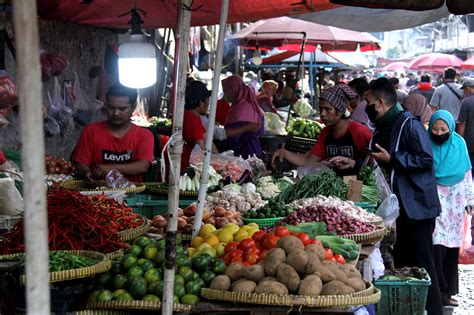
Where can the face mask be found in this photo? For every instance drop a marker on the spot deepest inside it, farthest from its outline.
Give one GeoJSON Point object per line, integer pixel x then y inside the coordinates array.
{"type": "Point", "coordinates": [440, 139]}
{"type": "Point", "coordinates": [371, 112]}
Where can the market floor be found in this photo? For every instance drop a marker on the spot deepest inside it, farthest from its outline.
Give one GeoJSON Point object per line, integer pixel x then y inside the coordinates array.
{"type": "Point", "coordinates": [466, 292]}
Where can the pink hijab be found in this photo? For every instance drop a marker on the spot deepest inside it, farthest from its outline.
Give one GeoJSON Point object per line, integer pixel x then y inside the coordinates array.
{"type": "Point", "coordinates": [418, 106]}
{"type": "Point", "coordinates": [244, 107]}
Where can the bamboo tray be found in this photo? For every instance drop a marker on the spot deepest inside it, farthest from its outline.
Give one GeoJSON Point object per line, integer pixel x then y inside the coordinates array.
{"type": "Point", "coordinates": [135, 305]}
{"type": "Point", "coordinates": [131, 234]}
{"type": "Point", "coordinates": [162, 189]}
{"type": "Point", "coordinates": [367, 238]}
{"type": "Point", "coordinates": [71, 274]}
{"type": "Point", "coordinates": [371, 295]}
{"type": "Point", "coordinates": [80, 185]}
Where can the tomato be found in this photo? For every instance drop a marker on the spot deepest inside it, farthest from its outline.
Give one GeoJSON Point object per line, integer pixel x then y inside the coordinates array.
{"type": "Point", "coordinates": [270, 241]}
{"type": "Point", "coordinates": [230, 247]}
{"type": "Point", "coordinates": [304, 238]}
{"type": "Point", "coordinates": [340, 259]}
{"type": "Point", "coordinates": [329, 254]}
{"type": "Point", "coordinates": [227, 259]}
{"type": "Point", "coordinates": [252, 249]}
{"type": "Point", "coordinates": [263, 255]}
{"type": "Point", "coordinates": [252, 258]}
{"type": "Point", "coordinates": [246, 243]}
{"type": "Point", "coordinates": [317, 242]}
{"type": "Point", "coordinates": [258, 236]}
{"type": "Point", "coordinates": [236, 259]}
{"type": "Point", "coordinates": [294, 234]}
{"type": "Point", "coordinates": [282, 231]}
{"type": "Point", "coordinates": [236, 253]}
{"type": "Point", "coordinates": [246, 264]}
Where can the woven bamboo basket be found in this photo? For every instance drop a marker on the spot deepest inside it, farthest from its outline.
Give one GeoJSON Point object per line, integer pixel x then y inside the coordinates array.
{"type": "Point", "coordinates": [102, 266]}
{"type": "Point", "coordinates": [367, 238]}
{"type": "Point", "coordinates": [368, 296]}
{"type": "Point", "coordinates": [112, 255]}
{"type": "Point", "coordinates": [80, 185]}
{"type": "Point", "coordinates": [131, 234]}
{"type": "Point", "coordinates": [162, 189]}
{"type": "Point", "coordinates": [99, 312]}
{"type": "Point", "coordinates": [135, 305]}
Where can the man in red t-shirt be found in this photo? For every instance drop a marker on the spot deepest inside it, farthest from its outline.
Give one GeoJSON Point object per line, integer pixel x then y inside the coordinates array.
{"type": "Point", "coordinates": [115, 143]}
{"type": "Point", "coordinates": [342, 143]}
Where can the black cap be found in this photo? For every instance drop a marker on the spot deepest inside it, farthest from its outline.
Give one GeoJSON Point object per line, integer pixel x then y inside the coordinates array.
{"type": "Point", "coordinates": [196, 91]}
{"type": "Point", "coordinates": [393, 80]}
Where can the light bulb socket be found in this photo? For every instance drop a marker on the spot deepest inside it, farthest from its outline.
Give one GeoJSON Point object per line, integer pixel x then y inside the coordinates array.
{"type": "Point", "coordinates": [136, 22]}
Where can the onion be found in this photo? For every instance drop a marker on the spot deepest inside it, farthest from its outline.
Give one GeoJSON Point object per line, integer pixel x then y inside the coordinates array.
{"type": "Point", "coordinates": [210, 221]}
{"type": "Point", "coordinates": [206, 214]}
{"type": "Point", "coordinates": [240, 222]}
{"type": "Point", "coordinates": [190, 210]}
{"type": "Point", "coordinates": [158, 221]}
{"type": "Point", "coordinates": [180, 212]}
{"type": "Point", "coordinates": [188, 229]}
{"type": "Point", "coordinates": [219, 211]}
{"type": "Point", "coordinates": [181, 223]}
{"type": "Point", "coordinates": [191, 220]}
{"type": "Point", "coordinates": [220, 222]}
{"type": "Point", "coordinates": [229, 215]}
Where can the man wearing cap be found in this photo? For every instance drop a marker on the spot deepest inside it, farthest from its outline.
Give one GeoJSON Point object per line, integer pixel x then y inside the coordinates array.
{"type": "Point", "coordinates": [115, 144]}
{"type": "Point", "coordinates": [342, 143]}
{"type": "Point", "coordinates": [466, 117]}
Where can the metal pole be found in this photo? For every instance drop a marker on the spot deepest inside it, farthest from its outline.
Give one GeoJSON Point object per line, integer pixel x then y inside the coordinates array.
{"type": "Point", "coordinates": [31, 120]}
{"type": "Point", "coordinates": [212, 118]}
{"type": "Point", "coordinates": [176, 148]}
{"type": "Point", "coordinates": [238, 53]}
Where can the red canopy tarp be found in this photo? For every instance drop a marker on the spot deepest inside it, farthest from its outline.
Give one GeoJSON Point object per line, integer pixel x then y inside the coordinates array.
{"type": "Point", "coordinates": [434, 61]}
{"type": "Point", "coordinates": [329, 38]}
{"type": "Point", "coordinates": [468, 64]}
{"type": "Point", "coordinates": [163, 13]}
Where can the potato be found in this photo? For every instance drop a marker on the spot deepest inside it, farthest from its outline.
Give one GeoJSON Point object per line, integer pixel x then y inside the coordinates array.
{"type": "Point", "coordinates": [255, 273]}
{"type": "Point", "coordinates": [311, 285]}
{"type": "Point", "coordinates": [356, 283]}
{"type": "Point", "coordinates": [298, 259]}
{"type": "Point", "coordinates": [336, 287]}
{"type": "Point", "coordinates": [290, 243]}
{"type": "Point", "coordinates": [288, 276]}
{"type": "Point", "coordinates": [351, 271]}
{"type": "Point", "coordinates": [245, 286]}
{"type": "Point", "coordinates": [267, 279]}
{"type": "Point", "coordinates": [326, 274]}
{"type": "Point", "coordinates": [317, 249]}
{"type": "Point", "coordinates": [235, 271]}
{"type": "Point", "coordinates": [274, 259]}
{"type": "Point", "coordinates": [221, 283]}
{"type": "Point", "coordinates": [313, 263]}
{"type": "Point", "coordinates": [271, 287]}
{"type": "Point", "coordinates": [333, 266]}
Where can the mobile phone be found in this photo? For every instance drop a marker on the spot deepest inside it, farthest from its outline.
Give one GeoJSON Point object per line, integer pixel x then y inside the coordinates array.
{"type": "Point", "coordinates": [370, 150]}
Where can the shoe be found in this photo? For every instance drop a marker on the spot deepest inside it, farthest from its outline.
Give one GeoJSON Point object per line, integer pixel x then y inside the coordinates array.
{"type": "Point", "coordinates": [449, 301]}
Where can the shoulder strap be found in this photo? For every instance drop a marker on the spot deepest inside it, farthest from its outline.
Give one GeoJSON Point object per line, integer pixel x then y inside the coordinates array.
{"type": "Point", "coordinates": [452, 90]}
{"type": "Point", "coordinates": [397, 145]}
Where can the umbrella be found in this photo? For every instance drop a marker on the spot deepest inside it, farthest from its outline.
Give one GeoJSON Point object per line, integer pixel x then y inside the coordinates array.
{"type": "Point", "coordinates": [468, 64]}
{"type": "Point", "coordinates": [293, 57]}
{"type": "Point", "coordinates": [395, 66]}
{"type": "Point", "coordinates": [287, 33]}
{"type": "Point", "coordinates": [434, 62]}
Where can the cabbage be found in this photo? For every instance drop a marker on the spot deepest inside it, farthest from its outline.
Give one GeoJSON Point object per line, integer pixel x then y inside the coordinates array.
{"type": "Point", "coordinates": [303, 108]}
{"type": "Point", "coordinates": [274, 124]}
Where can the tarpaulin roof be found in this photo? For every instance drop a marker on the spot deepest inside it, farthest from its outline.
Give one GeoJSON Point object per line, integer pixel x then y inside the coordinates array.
{"type": "Point", "coordinates": [163, 13]}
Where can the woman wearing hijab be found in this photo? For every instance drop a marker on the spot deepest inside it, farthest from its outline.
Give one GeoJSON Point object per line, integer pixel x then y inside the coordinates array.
{"type": "Point", "coordinates": [265, 97]}
{"type": "Point", "coordinates": [453, 175]}
{"type": "Point", "coordinates": [342, 143]}
{"type": "Point", "coordinates": [418, 106]}
{"type": "Point", "coordinates": [244, 111]}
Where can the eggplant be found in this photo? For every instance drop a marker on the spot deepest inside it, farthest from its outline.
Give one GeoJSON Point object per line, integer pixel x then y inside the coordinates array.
{"type": "Point", "coordinates": [246, 177]}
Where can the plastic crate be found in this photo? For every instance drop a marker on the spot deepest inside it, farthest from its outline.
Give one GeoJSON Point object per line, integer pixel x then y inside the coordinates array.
{"type": "Point", "coordinates": [151, 205]}
{"type": "Point", "coordinates": [403, 297]}
{"type": "Point", "coordinates": [370, 207]}
{"type": "Point", "coordinates": [300, 145]}
{"type": "Point", "coordinates": [263, 222]}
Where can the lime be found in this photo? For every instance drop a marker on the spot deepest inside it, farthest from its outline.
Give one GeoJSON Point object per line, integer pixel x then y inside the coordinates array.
{"type": "Point", "coordinates": [137, 287]}
{"type": "Point", "coordinates": [179, 280]}
{"type": "Point", "coordinates": [104, 295]}
{"type": "Point", "coordinates": [157, 288]}
{"type": "Point", "coordinates": [124, 297]}
{"type": "Point", "coordinates": [151, 297]}
{"type": "Point", "coordinates": [208, 276]}
{"type": "Point", "coordinates": [190, 299]}
{"type": "Point", "coordinates": [152, 275]}
{"type": "Point", "coordinates": [200, 263]}
{"type": "Point", "coordinates": [150, 252]}
{"type": "Point", "coordinates": [145, 264]}
{"type": "Point", "coordinates": [161, 245]}
{"type": "Point", "coordinates": [175, 299]}
{"type": "Point", "coordinates": [195, 276]}
{"type": "Point", "coordinates": [183, 261]}
{"type": "Point", "coordinates": [160, 258]}
{"type": "Point", "coordinates": [186, 273]}
{"type": "Point", "coordinates": [142, 241]}
{"type": "Point", "coordinates": [119, 281]}
{"type": "Point", "coordinates": [180, 250]}
{"type": "Point", "coordinates": [134, 250]}
{"type": "Point", "coordinates": [116, 267]}
{"type": "Point", "coordinates": [201, 282]}
{"type": "Point", "coordinates": [135, 271]}
{"type": "Point", "coordinates": [179, 290]}
{"type": "Point", "coordinates": [193, 287]}
{"type": "Point", "coordinates": [93, 296]}
{"type": "Point", "coordinates": [104, 278]}
{"type": "Point", "coordinates": [218, 266]}
{"type": "Point", "coordinates": [118, 258]}
{"type": "Point", "coordinates": [118, 292]}
{"type": "Point", "coordinates": [128, 261]}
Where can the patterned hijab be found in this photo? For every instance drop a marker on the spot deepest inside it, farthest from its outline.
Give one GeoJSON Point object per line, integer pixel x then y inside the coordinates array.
{"type": "Point", "coordinates": [339, 96]}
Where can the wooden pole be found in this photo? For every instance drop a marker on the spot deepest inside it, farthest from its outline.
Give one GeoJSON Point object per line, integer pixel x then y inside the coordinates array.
{"type": "Point", "coordinates": [176, 148]}
{"type": "Point", "coordinates": [212, 117]}
{"type": "Point", "coordinates": [31, 120]}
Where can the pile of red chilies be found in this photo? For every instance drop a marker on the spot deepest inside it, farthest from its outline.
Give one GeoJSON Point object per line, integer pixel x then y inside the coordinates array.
{"type": "Point", "coordinates": [78, 222]}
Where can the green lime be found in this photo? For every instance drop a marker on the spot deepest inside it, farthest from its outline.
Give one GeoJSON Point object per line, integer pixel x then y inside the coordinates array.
{"type": "Point", "coordinates": [158, 288]}
{"type": "Point", "coordinates": [218, 267]}
{"type": "Point", "coordinates": [201, 282]}
{"type": "Point", "coordinates": [116, 267]}
{"type": "Point", "coordinates": [118, 258]}
{"type": "Point", "coordinates": [133, 250]}
{"type": "Point", "coordinates": [151, 297]}
{"type": "Point", "coordinates": [137, 287]}
{"type": "Point", "coordinates": [128, 261]}
{"type": "Point", "coordinates": [154, 287]}
{"type": "Point", "coordinates": [142, 241]}
{"type": "Point", "coordinates": [104, 295]}
{"type": "Point", "coordinates": [161, 245]}
{"type": "Point", "coordinates": [150, 252]}
{"type": "Point", "coordinates": [152, 275]}
{"type": "Point", "coordinates": [180, 251]}
{"type": "Point", "coordinates": [118, 292]}
{"type": "Point", "coordinates": [179, 290]}
{"type": "Point", "coordinates": [200, 263]}
{"type": "Point", "coordinates": [119, 281]}
{"type": "Point", "coordinates": [175, 299]}
{"type": "Point", "coordinates": [179, 280]}
{"type": "Point", "coordinates": [104, 278]}
{"type": "Point", "coordinates": [190, 299]}
{"type": "Point", "coordinates": [135, 271]}
{"type": "Point", "coordinates": [93, 296]}
{"type": "Point", "coordinates": [124, 297]}
{"type": "Point", "coordinates": [186, 273]}
{"type": "Point", "coordinates": [145, 264]}
{"type": "Point", "coordinates": [195, 276]}
{"type": "Point", "coordinates": [193, 287]}
{"type": "Point", "coordinates": [183, 261]}
{"type": "Point", "coordinates": [160, 258]}
{"type": "Point", "coordinates": [208, 276]}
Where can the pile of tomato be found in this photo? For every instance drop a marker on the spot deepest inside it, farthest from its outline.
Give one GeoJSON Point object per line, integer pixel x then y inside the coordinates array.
{"type": "Point", "coordinates": [253, 250]}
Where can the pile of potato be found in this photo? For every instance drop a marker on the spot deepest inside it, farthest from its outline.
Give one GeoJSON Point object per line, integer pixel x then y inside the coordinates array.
{"type": "Point", "coordinates": [292, 268]}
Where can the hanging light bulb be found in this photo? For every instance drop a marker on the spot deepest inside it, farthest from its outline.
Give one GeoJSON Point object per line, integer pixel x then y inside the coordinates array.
{"type": "Point", "coordinates": [137, 57]}
{"type": "Point", "coordinates": [257, 56]}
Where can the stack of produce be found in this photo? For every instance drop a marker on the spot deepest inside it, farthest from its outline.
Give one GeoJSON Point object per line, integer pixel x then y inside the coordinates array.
{"type": "Point", "coordinates": [273, 209]}
{"type": "Point", "coordinates": [347, 207]}
{"type": "Point", "coordinates": [305, 128]}
{"type": "Point", "coordinates": [58, 165]}
{"type": "Point", "coordinates": [405, 274]}
{"type": "Point", "coordinates": [191, 180]}
{"type": "Point", "coordinates": [325, 183]}
{"type": "Point", "coordinates": [138, 275]}
{"type": "Point", "coordinates": [235, 197]}
{"type": "Point", "coordinates": [292, 268]}
{"type": "Point", "coordinates": [78, 222]}
{"type": "Point", "coordinates": [161, 124]}
{"type": "Point", "coordinates": [269, 187]}
{"type": "Point", "coordinates": [234, 168]}
{"type": "Point", "coordinates": [216, 216]}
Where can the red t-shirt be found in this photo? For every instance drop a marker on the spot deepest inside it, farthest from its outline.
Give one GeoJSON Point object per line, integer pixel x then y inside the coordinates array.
{"type": "Point", "coordinates": [98, 146]}
{"type": "Point", "coordinates": [222, 111]}
{"type": "Point", "coordinates": [193, 130]}
{"type": "Point", "coordinates": [3, 159]}
{"type": "Point", "coordinates": [352, 144]}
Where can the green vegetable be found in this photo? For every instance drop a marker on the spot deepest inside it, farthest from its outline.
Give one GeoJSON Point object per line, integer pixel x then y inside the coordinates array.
{"type": "Point", "coordinates": [313, 229]}
{"type": "Point", "coordinates": [342, 246]}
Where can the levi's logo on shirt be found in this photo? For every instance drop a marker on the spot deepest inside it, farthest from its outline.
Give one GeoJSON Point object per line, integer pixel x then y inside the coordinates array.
{"type": "Point", "coordinates": [116, 157]}
{"type": "Point", "coordinates": [333, 150]}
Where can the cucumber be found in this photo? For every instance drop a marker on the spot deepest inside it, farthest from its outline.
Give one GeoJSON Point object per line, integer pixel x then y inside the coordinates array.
{"type": "Point", "coordinates": [340, 251]}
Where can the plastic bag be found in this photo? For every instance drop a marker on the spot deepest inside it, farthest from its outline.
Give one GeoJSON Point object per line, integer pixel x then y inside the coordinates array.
{"type": "Point", "coordinates": [51, 127]}
{"type": "Point", "coordinates": [8, 94]}
{"type": "Point", "coordinates": [256, 164]}
{"type": "Point", "coordinates": [389, 209]}
{"type": "Point", "coordinates": [466, 252]}
{"type": "Point", "coordinates": [83, 105]}
{"type": "Point", "coordinates": [52, 65]}
{"type": "Point", "coordinates": [11, 201]}
{"type": "Point", "coordinates": [115, 179]}
{"type": "Point", "coordinates": [274, 124]}
{"type": "Point", "coordinates": [58, 109]}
